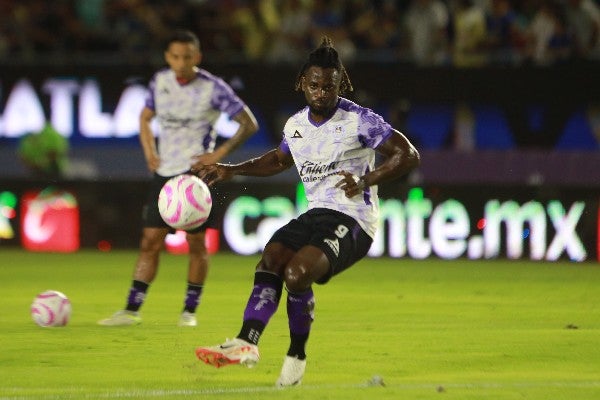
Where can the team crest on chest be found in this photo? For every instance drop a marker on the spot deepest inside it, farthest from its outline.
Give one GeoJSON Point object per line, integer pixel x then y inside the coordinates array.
{"type": "Point", "coordinates": [337, 130]}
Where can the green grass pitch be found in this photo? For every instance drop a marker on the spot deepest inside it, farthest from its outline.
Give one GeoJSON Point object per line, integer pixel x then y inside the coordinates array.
{"type": "Point", "coordinates": [431, 329]}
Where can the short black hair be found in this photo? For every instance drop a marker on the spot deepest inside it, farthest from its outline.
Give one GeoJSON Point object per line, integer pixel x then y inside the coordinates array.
{"type": "Point", "coordinates": [326, 56]}
{"type": "Point", "coordinates": [183, 36]}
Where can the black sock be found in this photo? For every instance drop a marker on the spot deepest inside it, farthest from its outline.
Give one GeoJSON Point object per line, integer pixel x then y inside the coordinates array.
{"type": "Point", "coordinates": [251, 331]}
{"type": "Point", "coordinates": [298, 346]}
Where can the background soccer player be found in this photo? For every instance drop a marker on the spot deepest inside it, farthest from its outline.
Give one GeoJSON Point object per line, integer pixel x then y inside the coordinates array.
{"type": "Point", "coordinates": [333, 143]}
{"type": "Point", "coordinates": [187, 101]}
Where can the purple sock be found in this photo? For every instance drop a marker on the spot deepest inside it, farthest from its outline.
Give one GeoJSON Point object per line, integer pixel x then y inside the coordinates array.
{"type": "Point", "coordinates": [261, 306]}
{"type": "Point", "coordinates": [301, 312]}
{"type": "Point", "coordinates": [192, 297]}
{"type": "Point", "coordinates": [263, 302]}
{"type": "Point", "coordinates": [137, 295]}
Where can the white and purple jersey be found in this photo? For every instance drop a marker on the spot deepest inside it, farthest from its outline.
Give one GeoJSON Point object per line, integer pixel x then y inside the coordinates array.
{"type": "Point", "coordinates": [344, 142]}
{"type": "Point", "coordinates": [186, 114]}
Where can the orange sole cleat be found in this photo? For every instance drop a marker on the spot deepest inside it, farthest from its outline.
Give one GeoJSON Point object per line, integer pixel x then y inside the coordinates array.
{"type": "Point", "coordinates": [236, 351]}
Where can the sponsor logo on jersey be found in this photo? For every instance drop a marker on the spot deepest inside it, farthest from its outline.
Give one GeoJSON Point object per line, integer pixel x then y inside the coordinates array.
{"type": "Point", "coordinates": [172, 122]}
{"type": "Point", "coordinates": [309, 168]}
{"type": "Point", "coordinates": [313, 172]}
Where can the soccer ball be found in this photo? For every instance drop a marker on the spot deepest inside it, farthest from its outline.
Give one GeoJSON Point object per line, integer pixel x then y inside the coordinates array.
{"type": "Point", "coordinates": [184, 202]}
{"type": "Point", "coordinates": [51, 308]}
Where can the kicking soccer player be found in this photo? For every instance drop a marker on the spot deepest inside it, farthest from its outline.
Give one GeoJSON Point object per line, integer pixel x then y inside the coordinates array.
{"type": "Point", "coordinates": [333, 143]}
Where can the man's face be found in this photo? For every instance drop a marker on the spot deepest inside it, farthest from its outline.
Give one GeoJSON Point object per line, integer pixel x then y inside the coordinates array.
{"type": "Point", "coordinates": [182, 58]}
{"type": "Point", "coordinates": [321, 87]}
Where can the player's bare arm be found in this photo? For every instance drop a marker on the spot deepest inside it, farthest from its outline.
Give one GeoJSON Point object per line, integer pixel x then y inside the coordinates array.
{"type": "Point", "coordinates": [268, 164]}
{"type": "Point", "coordinates": [248, 126]}
{"type": "Point", "coordinates": [400, 158]}
{"type": "Point", "coordinates": [147, 139]}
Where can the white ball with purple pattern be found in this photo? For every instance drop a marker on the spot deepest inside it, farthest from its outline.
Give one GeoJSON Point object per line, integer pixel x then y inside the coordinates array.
{"type": "Point", "coordinates": [184, 202]}
{"type": "Point", "coordinates": [51, 308]}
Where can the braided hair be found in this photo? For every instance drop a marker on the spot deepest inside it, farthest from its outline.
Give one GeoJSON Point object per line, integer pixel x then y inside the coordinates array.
{"type": "Point", "coordinates": [325, 56]}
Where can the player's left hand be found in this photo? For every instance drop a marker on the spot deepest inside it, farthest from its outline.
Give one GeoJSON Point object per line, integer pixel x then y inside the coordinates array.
{"type": "Point", "coordinates": [350, 184]}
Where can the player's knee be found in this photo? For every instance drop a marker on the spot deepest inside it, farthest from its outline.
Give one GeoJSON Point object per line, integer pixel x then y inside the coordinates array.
{"type": "Point", "coordinates": [297, 278]}
{"type": "Point", "coordinates": [274, 259]}
{"type": "Point", "coordinates": [270, 265]}
{"type": "Point", "coordinates": [150, 244]}
{"type": "Point", "coordinates": [196, 242]}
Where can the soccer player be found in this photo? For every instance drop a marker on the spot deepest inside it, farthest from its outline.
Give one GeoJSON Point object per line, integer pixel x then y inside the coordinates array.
{"type": "Point", "coordinates": [333, 143]}
{"type": "Point", "coordinates": [187, 101]}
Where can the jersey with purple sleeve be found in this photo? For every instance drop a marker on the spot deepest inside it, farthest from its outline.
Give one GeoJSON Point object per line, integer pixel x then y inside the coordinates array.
{"type": "Point", "coordinates": [186, 114]}
{"type": "Point", "coordinates": [344, 142]}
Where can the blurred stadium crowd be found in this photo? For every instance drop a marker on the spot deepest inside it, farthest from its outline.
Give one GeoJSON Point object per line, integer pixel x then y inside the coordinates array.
{"type": "Point", "coordinates": [462, 33]}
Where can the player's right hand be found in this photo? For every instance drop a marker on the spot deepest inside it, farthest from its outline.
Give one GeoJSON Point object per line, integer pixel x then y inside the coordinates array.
{"type": "Point", "coordinates": [212, 173]}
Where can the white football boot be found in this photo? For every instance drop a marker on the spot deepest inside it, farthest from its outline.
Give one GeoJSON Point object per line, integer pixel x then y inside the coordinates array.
{"type": "Point", "coordinates": [187, 319]}
{"type": "Point", "coordinates": [234, 351]}
{"type": "Point", "coordinates": [291, 372]}
{"type": "Point", "coordinates": [122, 318]}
